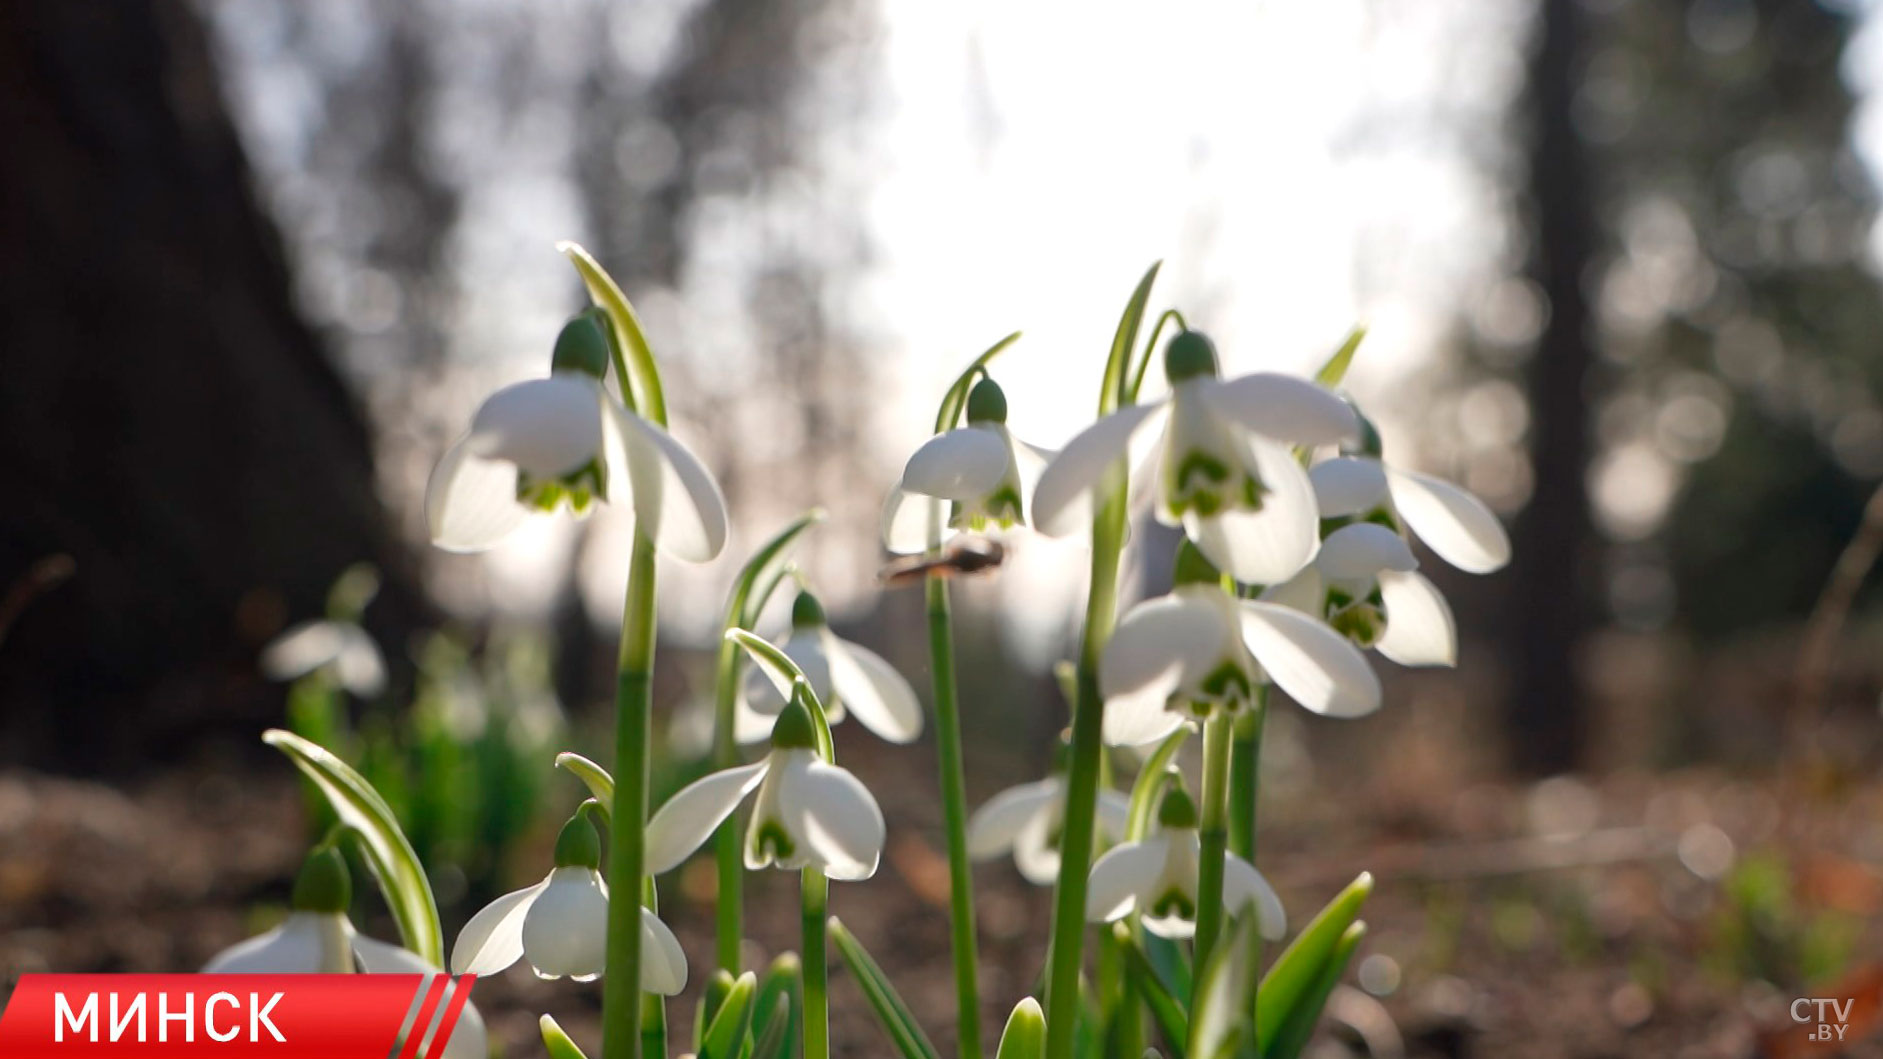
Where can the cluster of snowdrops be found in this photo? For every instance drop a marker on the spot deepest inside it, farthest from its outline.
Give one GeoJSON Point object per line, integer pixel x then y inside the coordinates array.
{"type": "Point", "coordinates": [1296, 558]}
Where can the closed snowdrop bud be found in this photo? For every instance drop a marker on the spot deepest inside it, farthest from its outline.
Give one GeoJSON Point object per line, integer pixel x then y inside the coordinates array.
{"type": "Point", "coordinates": [1157, 877]}
{"type": "Point", "coordinates": [564, 442]}
{"type": "Point", "coordinates": [560, 925]}
{"type": "Point", "coordinates": [807, 812]}
{"type": "Point", "coordinates": [850, 679]}
{"type": "Point", "coordinates": [318, 938]}
{"type": "Point", "coordinates": [978, 478]}
{"type": "Point", "coordinates": [1224, 466]}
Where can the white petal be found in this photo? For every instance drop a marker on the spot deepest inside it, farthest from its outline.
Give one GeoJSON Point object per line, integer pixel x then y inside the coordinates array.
{"type": "Point", "coordinates": [836, 816]}
{"type": "Point", "coordinates": [961, 465]}
{"type": "Point", "coordinates": [565, 931]}
{"type": "Point", "coordinates": [1114, 814]}
{"type": "Point", "coordinates": [1348, 485]}
{"type": "Point", "coordinates": [1452, 522]}
{"type": "Point", "coordinates": [379, 957]}
{"type": "Point", "coordinates": [1159, 640]}
{"type": "Point", "coordinates": [1284, 408]}
{"type": "Point", "coordinates": [676, 501]}
{"type": "Point", "coordinates": [691, 816]}
{"type": "Point", "coordinates": [1419, 626]}
{"type": "Point", "coordinates": [872, 691]}
{"type": "Point", "coordinates": [1036, 850]}
{"type": "Point", "coordinates": [1242, 885]}
{"type": "Point", "coordinates": [663, 962]}
{"type": "Point", "coordinates": [1271, 545]}
{"type": "Point", "coordinates": [302, 649]}
{"type": "Point", "coordinates": [1140, 717]}
{"type": "Point", "coordinates": [547, 427]}
{"type": "Point", "coordinates": [1360, 550]}
{"type": "Point", "coordinates": [493, 938]}
{"type": "Point", "coordinates": [808, 647]}
{"type": "Point", "coordinates": [913, 523]}
{"type": "Point", "coordinates": [360, 667]}
{"type": "Point", "coordinates": [1122, 875]}
{"type": "Point", "coordinates": [1082, 464]}
{"type": "Point", "coordinates": [1179, 874]}
{"type": "Point", "coordinates": [994, 826]}
{"type": "Point", "coordinates": [1305, 592]}
{"type": "Point", "coordinates": [305, 943]}
{"type": "Point", "coordinates": [1315, 665]}
{"type": "Point", "coordinates": [750, 724]}
{"type": "Point", "coordinates": [1029, 462]}
{"type": "Point", "coordinates": [469, 1039]}
{"type": "Point", "coordinates": [471, 502]}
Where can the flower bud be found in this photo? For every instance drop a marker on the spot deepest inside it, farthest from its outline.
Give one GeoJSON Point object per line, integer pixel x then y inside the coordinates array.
{"type": "Point", "coordinates": [987, 403]}
{"type": "Point", "coordinates": [324, 884]}
{"type": "Point", "coordinates": [807, 612]}
{"type": "Point", "coordinates": [795, 728]}
{"type": "Point", "coordinates": [1176, 810]}
{"type": "Point", "coordinates": [1190, 355]}
{"type": "Point", "coordinates": [582, 346]}
{"type": "Point", "coordinates": [1369, 443]}
{"type": "Point", "coordinates": [578, 846]}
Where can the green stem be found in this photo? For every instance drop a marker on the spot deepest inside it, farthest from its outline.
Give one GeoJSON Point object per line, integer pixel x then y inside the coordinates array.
{"type": "Point", "coordinates": [816, 893]}
{"type": "Point", "coordinates": [1065, 955]}
{"type": "Point", "coordinates": [1213, 832]}
{"type": "Point", "coordinates": [941, 648]}
{"type": "Point", "coordinates": [621, 992]}
{"type": "Point", "coordinates": [729, 915]}
{"type": "Point", "coordinates": [1245, 763]}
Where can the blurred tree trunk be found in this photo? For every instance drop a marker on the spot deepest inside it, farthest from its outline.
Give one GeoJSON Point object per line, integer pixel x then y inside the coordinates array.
{"type": "Point", "coordinates": [167, 420]}
{"type": "Point", "coordinates": [1552, 570]}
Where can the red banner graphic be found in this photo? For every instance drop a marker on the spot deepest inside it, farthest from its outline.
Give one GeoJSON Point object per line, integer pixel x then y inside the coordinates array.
{"type": "Point", "coordinates": [282, 1016]}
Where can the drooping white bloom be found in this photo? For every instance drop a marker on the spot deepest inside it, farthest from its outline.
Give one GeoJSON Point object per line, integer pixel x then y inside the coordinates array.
{"type": "Point", "coordinates": [1223, 466]}
{"type": "Point", "coordinates": [1157, 877]}
{"type": "Point", "coordinates": [318, 938]}
{"type": "Point", "coordinates": [808, 813]}
{"type": "Point", "coordinates": [1026, 821]}
{"type": "Point", "coordinates": [342, 648]}
{"type": "Point", "coordinates": [544, 444]}
{"type": "Point", "coordinates": [973, 478]}
{"type": "Point", "coordinates": [850, 679]}
{"type": "Point", "coordinates": [1365, 583]}
{"type": "Point", "coordinates": [1199, 650]}
{"type": "Point", "coordinates": [1456, 525]}
{"type": "Point", "coordinates": [560, 925]}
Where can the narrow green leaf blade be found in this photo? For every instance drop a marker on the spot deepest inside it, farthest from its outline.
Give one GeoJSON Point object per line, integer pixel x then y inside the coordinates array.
{"type": "Point", "coordinates": [742, 608]}
{"type": "Point", "coordinates": [1298, 1028]}
{"type": "Point", "coordinates": [394, 863]}
{"type": "Point", "coordinates": [1124, 340]}
{"type": "Point", "coordinates": [593, 776]}
{"type": "Point", "coordinates": [1149, 985]}
{"type": "Point", "coordinates": [1025, 1035]}
{"type": "Point", "coordinates": [1335, 369]}
{"type": "Point", "coordinates": [726, 1035]}
{"type": "Point", "coordinates": [894, 1015]}
{"type": "Point", "coordinates": [1222, 1016]}
{"type": "Point", "coordinates": [1295, 971]}
{"type": "Point", "coordinates": [781, 994]}
{"type": "Point", "coordinates": [556, 1042]}
{"type": "Point", "coordinates": [956, 396]}
{"type": "Point", "coordinates": [650, 400]}
{"type": "Point", "coordinates": [770, 1041]}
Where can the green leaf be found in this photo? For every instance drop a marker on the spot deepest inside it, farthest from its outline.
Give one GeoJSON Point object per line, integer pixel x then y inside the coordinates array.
{"type": "Point", "coordinates": [644, 391]}
{"type": "Point", "coordinates": [1025, 1035]}
{"type": "Point", "coordinates": [1151, 780]}
{"type": "Point", "coordinates": [743, 607]}
{"type": "Point", "coordinates": [1293, 974]}
{"type": "Point", "coordinates": [718, 985]}
{"type": "Point", "coordinates": [1335, 369]}
{"type": "Point", "coordinates": [1149, 985]}
{"type": "Point", "coordinates": [599, 782]}
{"type": "Point", "coordinates": [556, 1042]}
{"type": "Point", "coordinates": [894, 1015]}
{"type": "Point", "coordinates": [726, 1035]}
{"type": "Point", "coordinates": [1298, 1028]}
{"type": "Point", "coordinates": [388, 853]}
{"type": "Point", "coordinates": [786, 677]}
{"type": "Point", "coordinates": [956, 395]}
{"type": "Point", "coordinates": [780, 995]}
{"type": "Point", "coordinates": [1223, 1016]}
{"type": "Point", "coordinates": [771, 1042]}
{"type": "Point", "coordinates": [1117, 391]}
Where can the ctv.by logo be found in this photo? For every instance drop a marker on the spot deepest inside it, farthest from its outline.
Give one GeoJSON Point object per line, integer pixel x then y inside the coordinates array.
{"type": "Point", "coordinates": [1828, 1019]}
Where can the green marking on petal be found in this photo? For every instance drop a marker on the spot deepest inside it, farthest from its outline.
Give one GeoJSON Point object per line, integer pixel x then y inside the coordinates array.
{"type": "Point", "coordinates": [578, 489]}
{"type": "Point", "coordinates": [771, 843]}
{"type": "Point", "coordinates": [1227, 683]}
{"type": "Point", "coordinates": [1174, 904]}
{"type": "Point", "coordinates": [1363, 623]}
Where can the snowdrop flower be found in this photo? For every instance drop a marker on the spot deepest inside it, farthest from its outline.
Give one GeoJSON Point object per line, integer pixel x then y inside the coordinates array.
{"type": "Point", "coordinates": [341, 648]}
{"type": "Point", "coordinates": [561, 924]}
{"type": "Point", "coordinates": [981, 470]}
{"type": "Point", "coordinates": [1224, 470]}
{"type": "Point", "coordinates": [318, 938]}
{"type": "Point", "coordinates": [808, 813]}
{"type": "Point", "coordinates": [1157, 877]}
{"type": "Point", "coordinates": [565, 441]}
{"type": "Point", "coordinates": [1199, 650]}
{"type": "Point", "coordinates": [1449, 520]}
{"type": "Point", "coordinates": [1364, 583]}
{"type": "Point", "coordinates": [1025, 820]}
{"type": "Point", "coordinates": [848, 678]}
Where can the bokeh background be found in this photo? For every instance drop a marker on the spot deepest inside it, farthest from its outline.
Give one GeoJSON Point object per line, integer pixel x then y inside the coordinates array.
{"type": "Point", "coordinates": [1619, 261]}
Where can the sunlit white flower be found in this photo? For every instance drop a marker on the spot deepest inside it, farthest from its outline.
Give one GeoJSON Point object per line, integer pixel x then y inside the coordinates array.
{"type": "Point", "coordinates": [973, 478]}
{"type": "Point", "coordinates": [1364, 582]}
{"type": "Point", "coordinates": [1452, 522]}
{"type": "Point", "coordinates": [1223, 469]}
{"type": "Point", "coordinates": [318, 938]}
{"type": "Point", "coordinates": [565, 441]}
{"type": "Point", "coordinates": [341, 648]}
{"type": "Point", "coordinates": [808, 813]}
{"type": "Point", "coordinates": [1200, 650]}
{"type": "Point", "coordinates": [1157, 877]}
{"type": "Point", "coordinates": [1026, 821]}
{"type": "Point", "coordinates": [848, 678]}
{"type": "Point", "coordinates": [560, 925]}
